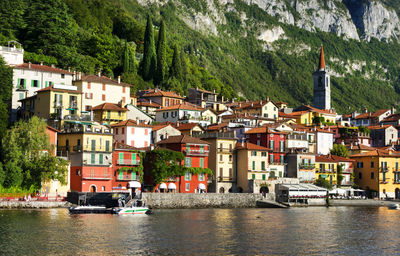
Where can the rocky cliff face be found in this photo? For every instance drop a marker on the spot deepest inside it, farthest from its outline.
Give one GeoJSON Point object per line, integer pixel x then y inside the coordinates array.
{"type": "Point", "coordinates": [353, 19]}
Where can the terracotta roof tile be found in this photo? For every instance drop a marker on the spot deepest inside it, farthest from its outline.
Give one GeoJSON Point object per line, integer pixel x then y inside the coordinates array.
{"type": "Point", "coordinates": [371, 114]}
{"type": "Point", "coordinates": [392, 118]}
{"type": "Point", "coordinates": [51, 88]}
{"type": "Point", "coordinates": [130, 122]}
{"type": "Point", "coordinates": [158, 93]}
{"type": "Point", "coordinates": [250, 146]}
{"type": "Point", "coordinates": [378, 152]}
{"type": "Point", "coordinates": [186, 126]}
{"type": "Point", "coordinates": [146, 103]}
{"type": "Point", "coordinates": [184, 106]}
{"type": "Point", "coordinates": [121, 146]}
{"type": "Point", "coordinates": [102, 79]}
{"type": "Point", "coordinates": [379, 127]}
{"type": "Point", "coordinates": [109, 106]}
{"type": "Point", "coordinates": [182, 139]}
{"type": "Point", "coordinates": [43, 68]}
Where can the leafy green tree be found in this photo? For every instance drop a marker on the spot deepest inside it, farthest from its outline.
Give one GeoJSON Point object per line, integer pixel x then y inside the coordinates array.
{"type": "Point", "coordinates": [2, 174]}
{"type": "Point", "coordinates": [176, 68]}
{"type": "Point", "coordinates": [127, 63]}
{"type": "Point", "coordinates": [50, 30]}
{"type": "Point", "coordinates": [165, 163]}
{"type": "Point", "coordinates": [339, 174]}
{"type": "Point", "coordinates": [321, 182]}
{"type": "Point", "coordinates": [161, 73]}
{"type": "Point", "coordinates": [340, 150]}
{"type": "Point", "coordinates": [149, 62]}
{"type": "Point", "coordinates": [6, 81]}
{"type": "Point", "coordinates": [11, 16]}
{"type": "Point", "coordinates": [28, 155]}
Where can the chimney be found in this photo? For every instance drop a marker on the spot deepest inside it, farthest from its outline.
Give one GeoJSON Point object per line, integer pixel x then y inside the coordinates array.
{"type": "Point", "coordinates": [41, 63]}
{"type": "Point", "coordinates": [69, 69]}
{"type": "Point", "coordinates": [99, 73]}
{"type": "Point", "coordinates": [150, 101]}
{"type": "Point", "coordinates": [177, 124]}
{"type": "Point", "coordinates": [252, 104]}
{"type": "Point", "coordinates": [392, 110]}
{"type": "Point", "coordinates": [119, 79]}
{"type": "Point", "coordinates": [166, 135]}
{"type": "Point", "coordinates": [53, 66]}
{"type": "Point", "coordinates": [242, 144]}
{"type": "Point", "coordinates": [267, 98]}
{"type": "Point", "coordinates": [29, 64]}
{"type": "Point", "coordinates": [365, 110]}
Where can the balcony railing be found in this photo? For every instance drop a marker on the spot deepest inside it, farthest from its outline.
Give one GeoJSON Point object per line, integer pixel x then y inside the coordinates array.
{"type": "Point", "coordinates": [319, 170]}
{"type": "Point", "coordinates": [73, 105]}
{"type": "Point", "coordinates": [196, 152]}
{"type": "Point", "coordinates": [128, 177]}
{"type": "Point", "coordinates": [383, 169]}
{"type": "Point", "coordinates": [128, 162]}
{"type": "Point", "coordinates": [21, 88]}
{"type": "Point", "coordinates": [307, 166]}
{"type": "Point", "coordinates": [278, 150]}
{"type": "Point", "coordinates": [96, 176]}
{"type": "Point", "coordinates": [71, 117]}
{"type": "Point", "coordinates": [225, 150]}
{"type": "Point", "coordinates": [347, 183]}
{"type": "Point", "coordinates": [384, 181]}
{"type": "Point", "coordinates": [225, 179]}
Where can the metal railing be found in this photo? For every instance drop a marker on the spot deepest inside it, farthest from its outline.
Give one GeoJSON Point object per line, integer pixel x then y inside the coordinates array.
{"type": "Point", "coordinates": [383, 169]}
{"type": "Point", "coordinates": [319, 170]}
{"type": "Point", "coordinates": [307, 166]}
{"type": "Point", "coordinates": [196, 152]}
{"type": "Point", "coordinates": [225, 150]}
{"type": "Point", "coordinates": [127, 177]}
{"type": "Point", "coordinates": [95, 176]}
{"type": "Point", "coordinates": [128, 162]}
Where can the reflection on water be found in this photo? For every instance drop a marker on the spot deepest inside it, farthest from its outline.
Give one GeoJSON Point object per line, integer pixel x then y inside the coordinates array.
{"type": "Point", "coordinates": [296, 231]}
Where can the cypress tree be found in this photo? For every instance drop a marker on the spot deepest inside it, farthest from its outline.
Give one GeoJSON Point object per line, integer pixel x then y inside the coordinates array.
{"type": "Point", "coordinates": [126, 67]}
{"type": "Point", "coordinates": [184, 66]}
{"type": "Point", "coordinates": [149, 62]}
{"type": "Point", "coordinates": [160, 75]}
{"type": "Point", "coordinates": [131, 60]}
{"type": "Point", "coordinates": [176, 68]}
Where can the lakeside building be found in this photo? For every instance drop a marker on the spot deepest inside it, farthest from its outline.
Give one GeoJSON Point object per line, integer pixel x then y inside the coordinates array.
{"type": "Point", "coordinates": [126, 166]}
{"type": "Point", "coordinates": [109, 113]}
{"type": "Point", "coordinates": [301, 165]}
{"type": "Point", "coordinates": [99, 89]}
{"type": "Point", "coordinates": [221, 161]}
{"type": "Point", "coordinates": [29, 78]}
{"type": "Point", "coordinates": [162, 98]}
{"type": "Point", "coordinates": [196, 154]}
{"type": "Point", "coordinates": [253, 168]}
{"type": "Point", "coordinates": [326, 168]}
{"type": "Point", "coordinates": [88, 145]}
{"type": "Point", "coordinates": [56, 104]}
{"type": "Point", "coordinates": [378, 173]}
{"type": "Point", "coordinates": [206, 99]}
{"type": "Point", "coordinates": [161, 132]}
{"type": "Point", "coordinates": [132, 133]}
{"type": "Point", "coordinates": [191, 129]}
{"type": "Point", "coordinates": [322, 84]}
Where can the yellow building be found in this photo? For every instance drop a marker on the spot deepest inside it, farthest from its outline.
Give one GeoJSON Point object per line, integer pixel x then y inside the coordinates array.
{"type": "Point", "coordinates": [109, 113]}
{"type": "Point", "coordinates": [378, 173]}
{"type": "Point", "coordinates": [307, 115]}
{"type": "Point", "coordinates": [55, 103]}
{"type": "Point", "coordinates": [326, 168]}
{"type": "Point", "coordinates": [252, 168]}
{"type": "Point", "coordinates": [265, 109]}
{"type": "Point", "coordinates": [221, 160]}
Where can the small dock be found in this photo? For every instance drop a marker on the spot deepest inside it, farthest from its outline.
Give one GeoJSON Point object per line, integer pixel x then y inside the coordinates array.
{"type": "Point", "coordinates": [265, 203]}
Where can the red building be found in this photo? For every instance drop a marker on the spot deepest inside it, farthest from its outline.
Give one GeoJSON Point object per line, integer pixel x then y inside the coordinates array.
{"type": "Point", "coordinates": [269, 138]}
{"type": "Point", "coordinates": [196, 155]}
{"type": "Point", "coordinates": [126, 162]}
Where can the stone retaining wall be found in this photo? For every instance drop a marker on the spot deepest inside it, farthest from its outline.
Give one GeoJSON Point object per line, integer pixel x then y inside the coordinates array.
{"type": "Point", "coordinates": [33, 204]}
{"type": "Point", "coordinates": [209, 200]}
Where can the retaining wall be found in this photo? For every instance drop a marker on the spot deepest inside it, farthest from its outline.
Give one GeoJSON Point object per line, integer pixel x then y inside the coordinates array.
{"type": "Point", "coordinates": [33, 204]}
{"type": "Point", "coordinates": [206, 200]}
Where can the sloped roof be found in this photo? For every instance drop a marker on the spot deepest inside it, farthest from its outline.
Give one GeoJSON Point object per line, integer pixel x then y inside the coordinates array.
{"type": "Point", "coordinates": [183, 106]}
{"type": "Point", "coordinates": [102, 80]}
{"type": "Point", "coordinates": [130, 122]}
{"type": "Point", "coordinates": [250, 146]}
{"type": "Point", "coordinates": [109, 106]}
{"type": "Point", "coordinates": [378, 152]}
{"type": "Point", "coordinates": [43, 68]}
{"type": "Point", "coordinates": [160, 126]}
{"type": "Point", "coordinates": [158, 93]}
{"type": "Point", "coordinates": [121, 146]}
{"type": "Point", "coordinates": [146, 103]}
{"type": "Point", "coordinates": [186, 126]}
{"type": "Point", "coordinates": [51, 88]}
{"type": "Point", "coordinates": [217, 127]}
{"type": "Point", "coordinates": [392, 118]}
{"type": "Point", "coordinates": [262, 129]}
{"type": "Point", "coordinates": [379, 127]}
{"type": "Point", "coordinates": [182, 139]}
{"type": "Point", "coordinates": [359, 147]}
{"type": "Point", "coordinates": [332, 158]}
{"type": "Point", "coordinates": [371, 114]}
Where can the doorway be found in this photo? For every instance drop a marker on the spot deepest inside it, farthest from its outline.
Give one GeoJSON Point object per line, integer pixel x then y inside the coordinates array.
{"type": "Point", "coordinates": [93, 189]}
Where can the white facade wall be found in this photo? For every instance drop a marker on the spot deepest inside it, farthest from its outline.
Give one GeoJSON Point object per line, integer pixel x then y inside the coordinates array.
{"type": "Point", "coordinates": [178, 115]}
{"type": "Point", "coordinates": [94, 94]}
{"type": "Point", "coordinates": [134, 113]}
{"type": "Point", "coordinates": [133, 136]}
{"type": "Point", "coordinates": [12, 55]}
{"type": "Point", "coordinates": [164, 133]}
{"type": "Point", "coordinates": [297, 143]}
{"type": "Point", "coordinates": [324, 143]}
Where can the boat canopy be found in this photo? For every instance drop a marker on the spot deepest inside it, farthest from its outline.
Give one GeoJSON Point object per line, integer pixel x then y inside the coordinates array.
{"type": "Point", "coordinates": [202, 186]}
{"type": "Point", "coordinates": [163, 186]}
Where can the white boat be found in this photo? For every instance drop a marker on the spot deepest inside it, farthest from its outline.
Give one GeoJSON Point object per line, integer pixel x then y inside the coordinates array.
{"type": "Point", "coordinates": [133, 207]}
{"type": "Point", "coordinates": [394, 206]}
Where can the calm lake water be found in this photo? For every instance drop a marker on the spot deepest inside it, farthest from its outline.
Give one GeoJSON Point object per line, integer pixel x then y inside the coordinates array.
{"type": "Point", "coordinates": [296, 231]}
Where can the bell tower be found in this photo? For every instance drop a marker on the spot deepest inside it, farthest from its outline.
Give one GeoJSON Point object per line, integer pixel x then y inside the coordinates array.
{"type": "Point", "coordinates": [322, 85]}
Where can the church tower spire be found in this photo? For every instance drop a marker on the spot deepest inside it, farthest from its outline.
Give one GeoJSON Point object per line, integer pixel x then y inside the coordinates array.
{"type": "Point", "coordinates": [322, 84]}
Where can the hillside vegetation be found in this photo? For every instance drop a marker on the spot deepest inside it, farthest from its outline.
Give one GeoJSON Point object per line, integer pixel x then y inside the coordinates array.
{"type": "Point", "coordinates": [92, 35]}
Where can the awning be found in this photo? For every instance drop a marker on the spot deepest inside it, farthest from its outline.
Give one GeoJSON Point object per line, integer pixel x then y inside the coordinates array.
{"type": "Point", "coordinates": [83, 111]}
{"type": "Point", "coordinates": [70, 109]}
{"type": "Point", "coordinates": [86, 123]}
{"type": "Point", "coordinates": [163, 186]}
{"type": "Point", "coordinates": [171, 186]}
{"type": "Point", "coordinates": [202, 186]}
{"type": "Point", "coordinates": [134, 184]}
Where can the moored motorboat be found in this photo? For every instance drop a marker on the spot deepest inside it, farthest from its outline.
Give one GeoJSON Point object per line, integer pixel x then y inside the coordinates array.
{"type": "Point", "coordinates": [394, 206]}
{"type": "Point", "coordinates": [133, 207]}
{"type": "Point", "coordinates": [90, 209]}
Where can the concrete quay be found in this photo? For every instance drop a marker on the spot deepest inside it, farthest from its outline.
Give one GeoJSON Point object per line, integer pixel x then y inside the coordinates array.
{"type": "Point", "coordinates": [33, 204]}
{"type": "Point", "coordinates": [365, 203]}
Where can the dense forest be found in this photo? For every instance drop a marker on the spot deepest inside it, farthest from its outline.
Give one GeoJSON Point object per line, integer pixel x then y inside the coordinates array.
{"type": "Point", "coordinates": [111, 36]}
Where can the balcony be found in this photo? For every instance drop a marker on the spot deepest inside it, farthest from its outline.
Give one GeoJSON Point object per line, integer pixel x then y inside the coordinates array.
{"type": "Point", "coordinates": [127, 177]}
{"type": "Point", "coordinates": [306, 166]}
{"type": "Point", "coordinates": [278, 150]}
{"type": "Point", "coordinates": [221, 179]}
{"type": "Point", "coordinates": [128, 162]}
{"type": "Point", "coordinates": [318, 170]}
{"type": "Point", "coordinates": [21, 88]}
{"type": "Point", "coordinates": [225, 150]}
{"type": "Point", "coordinates": [195, 152]}
{"type": "Point", "coordinates": [71, 117]}
{"type": "Point", "coordinates": [58, 104]}
{"type": "Point", "coordinates": [96, 176]}
{"type": "Point", "coordinates": [63, 148]}
{"type": "Point", "coordinates": [73, 105]}
{"type": "Point", "coordinates": [383, 169]}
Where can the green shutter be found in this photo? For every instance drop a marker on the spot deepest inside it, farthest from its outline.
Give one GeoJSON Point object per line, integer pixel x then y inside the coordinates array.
{"type": "Point", "coordinates": [45, 84]}
{"type": "Point", "coordinates": [101, 159]}
{"type": "Point", "coordinates": [32, 83]}
{"type": "Point", "coordinates": [133, 175]}
{"type": "Point", "coordinates": [107, 145]}
{"type": "Point", "coordinates": [19, 81]}
{"type": "Point", "coordinates": [254, 165]}
{"type": "Point", "coordinates": [93, 158]}
{"type": "Point", "coordinates": [201, 162]}
{"type": "Point", "coordinates": [38, 83]}
{"type": "Point", "coordinates": [133, 158]}
{"type": "Point", "coordinates": [253, 176]}
{"type": "Point", "coordinates": [24, 83]}
{"type": "Point", "coordinates": [121, 158]}
{"type": "Point", "coordinates": [93, 145]}
{"type": "Point", "coordinates": [263, 176]}
{"type": "Point", "coordinates": [201, 149]}
{"type": "Point", "coordinates": [120, 175]}
{"type": "Point", "coordinates": [188, 149]}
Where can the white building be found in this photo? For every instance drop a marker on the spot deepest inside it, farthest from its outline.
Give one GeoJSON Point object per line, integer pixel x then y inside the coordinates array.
{"type": "Point", "coordinates": [185, 113]}
{"type": "Point", "coordinates": [136, 113]}
{"type": "Point", "coordinates": [99, 89]}
{"type": "Point", "coordinates": [12, 55]}
{"type": "Point", "coordinates": [163, 131]}
{"type": "Point", "coordinates": [324, 141]}
{"type": "Point", "coordinates": [29, 78]}
{"type": "Point", "coordinates": [132, 133]}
